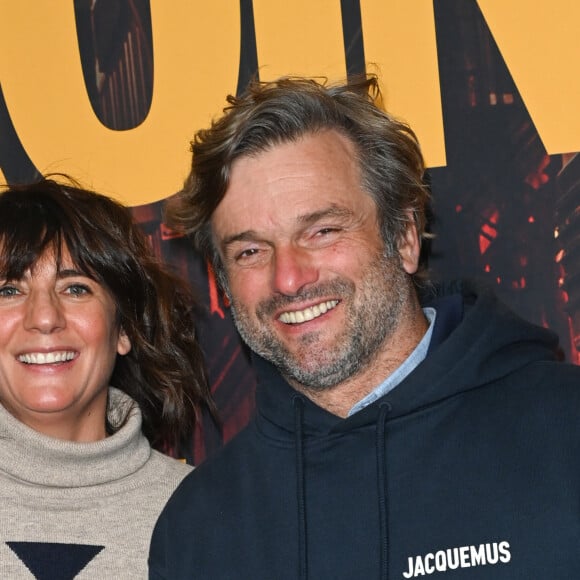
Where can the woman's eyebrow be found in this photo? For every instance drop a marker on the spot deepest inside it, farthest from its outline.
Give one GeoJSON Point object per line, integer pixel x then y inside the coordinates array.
{"type": "Point", "coordinates": [71, 273]}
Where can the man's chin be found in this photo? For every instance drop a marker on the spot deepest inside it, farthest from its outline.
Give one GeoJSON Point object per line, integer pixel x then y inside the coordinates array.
{"type": "Point", "coordinates": [315, 376]}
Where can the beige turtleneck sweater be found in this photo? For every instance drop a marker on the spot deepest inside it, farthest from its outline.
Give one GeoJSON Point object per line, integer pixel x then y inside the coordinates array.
{"type": "Point", "coordinates": [80, 510]}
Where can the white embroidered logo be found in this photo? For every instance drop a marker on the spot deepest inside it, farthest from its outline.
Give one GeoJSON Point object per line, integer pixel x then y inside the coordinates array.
{"type": "Point", "coordinates": [463, 557]}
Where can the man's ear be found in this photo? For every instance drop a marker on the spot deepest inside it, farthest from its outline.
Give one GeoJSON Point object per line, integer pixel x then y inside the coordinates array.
{"type": "Point", "coordinates": [409, 246]}
{"type": "Point", "coordinates": [123, 342]}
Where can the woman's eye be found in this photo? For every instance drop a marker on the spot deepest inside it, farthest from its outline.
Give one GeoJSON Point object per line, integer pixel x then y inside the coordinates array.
{"type": "Point", "coordinates": [8, 291]}
{"type": "Point", "coordinates": [78, 289]}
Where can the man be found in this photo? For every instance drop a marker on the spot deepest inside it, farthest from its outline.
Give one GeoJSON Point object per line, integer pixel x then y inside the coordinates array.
{"type": "Point", "coordinates": [392, 439]}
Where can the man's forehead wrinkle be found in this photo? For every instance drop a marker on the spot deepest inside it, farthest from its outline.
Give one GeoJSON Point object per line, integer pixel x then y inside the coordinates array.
{"type": "Point", "coordinates": [301, 219]}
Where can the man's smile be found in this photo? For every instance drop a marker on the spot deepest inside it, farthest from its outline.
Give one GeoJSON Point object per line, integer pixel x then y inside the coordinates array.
{"type": "Point", "coordinates": [310, 313]}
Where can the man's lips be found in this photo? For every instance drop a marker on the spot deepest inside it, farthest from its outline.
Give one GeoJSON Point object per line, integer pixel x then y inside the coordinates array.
{"type": "Point", "coordinates": [46, 358]}
{"type": "Point", "coordinates": [307, 314]}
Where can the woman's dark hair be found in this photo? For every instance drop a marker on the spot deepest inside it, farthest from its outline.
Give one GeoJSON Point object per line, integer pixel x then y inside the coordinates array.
{"type": "Point", "coordinates": [164, 370]}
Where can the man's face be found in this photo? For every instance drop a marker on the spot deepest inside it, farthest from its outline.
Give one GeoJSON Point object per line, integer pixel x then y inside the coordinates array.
{"type": "Point", "coordinates": [310, 287]}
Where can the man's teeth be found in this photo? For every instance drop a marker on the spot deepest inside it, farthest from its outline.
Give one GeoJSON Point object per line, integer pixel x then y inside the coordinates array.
{"type": "Point", "coordinates": [41, 358]}
{"type": "Point", "coordinates": [308, 313]}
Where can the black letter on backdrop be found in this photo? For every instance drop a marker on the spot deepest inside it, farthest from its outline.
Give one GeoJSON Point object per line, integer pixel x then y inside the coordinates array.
{"type": "Point", "coordinates": [15, 163]}
{"type": "Point", "coordinates": [248, 53]}
{"type": "Point", "coordinates": [354, 50]}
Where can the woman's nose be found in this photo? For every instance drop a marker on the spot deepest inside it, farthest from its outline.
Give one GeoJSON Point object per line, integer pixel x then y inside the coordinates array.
{"type": "Point", "coordinates": [43, 312]}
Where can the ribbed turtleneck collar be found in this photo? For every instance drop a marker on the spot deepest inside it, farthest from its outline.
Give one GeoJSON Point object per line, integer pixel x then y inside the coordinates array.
{"type": "Point", "coordinates": [34, 458]}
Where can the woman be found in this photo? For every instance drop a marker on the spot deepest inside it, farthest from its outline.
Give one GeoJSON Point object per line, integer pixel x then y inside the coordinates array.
{"type": "Point", "coordinates": [98, 363]}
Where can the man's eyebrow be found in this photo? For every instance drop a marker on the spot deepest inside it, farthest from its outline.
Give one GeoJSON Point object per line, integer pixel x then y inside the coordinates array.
{"type": "Point", "coordinates": [304, 220]}
{"type": "Point", "coordinates": [333, 211]}
{"type": "Point", "coordinates": [248, 235]}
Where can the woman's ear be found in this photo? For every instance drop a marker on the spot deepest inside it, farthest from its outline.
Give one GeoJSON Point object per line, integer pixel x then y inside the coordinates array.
{"type": "Point", "coordinates": [123, 342]}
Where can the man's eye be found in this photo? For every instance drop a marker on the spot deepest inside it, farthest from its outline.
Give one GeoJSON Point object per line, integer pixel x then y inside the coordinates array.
{"type": "Point", "coordinates": [8, 291]}
{"type": "Point", "coordinates": [327, 234]}
{"type": "Point", "coordinates": [249, 253]}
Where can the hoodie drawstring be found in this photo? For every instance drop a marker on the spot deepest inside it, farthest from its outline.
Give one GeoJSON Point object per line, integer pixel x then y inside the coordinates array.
{"type": "Point", "coordinates": [300, 488]}
{"type": "Point", "coordinates": [381, 450]}
{"type": "Point", "coordinates": [381, 447]}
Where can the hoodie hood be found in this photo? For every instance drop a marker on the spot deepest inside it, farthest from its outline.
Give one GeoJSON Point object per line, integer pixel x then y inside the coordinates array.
{"type": "Point", "coordinates": [458, 472]}
{"type": "Point", "coordinates": [476, 341]}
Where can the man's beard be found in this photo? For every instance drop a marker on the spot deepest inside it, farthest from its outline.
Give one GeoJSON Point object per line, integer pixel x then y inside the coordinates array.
{"type": "Point", "coordinates": [371, 318]}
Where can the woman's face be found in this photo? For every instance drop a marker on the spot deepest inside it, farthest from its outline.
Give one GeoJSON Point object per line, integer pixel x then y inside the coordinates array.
{"type": "Point", "coordinates": [58, 343]}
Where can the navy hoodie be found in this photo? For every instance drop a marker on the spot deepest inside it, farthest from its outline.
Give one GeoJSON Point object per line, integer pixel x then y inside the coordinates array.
{"type": "Point", "coordinates": [469, 469]}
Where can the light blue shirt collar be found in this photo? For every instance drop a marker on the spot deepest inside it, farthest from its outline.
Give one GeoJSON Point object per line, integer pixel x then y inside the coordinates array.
{"type": "Point", "coordinates": [409, 365]}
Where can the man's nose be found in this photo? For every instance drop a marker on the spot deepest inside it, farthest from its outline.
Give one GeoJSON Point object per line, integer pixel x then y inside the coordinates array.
{"type": "Point", "coordinates": [294, 268]}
